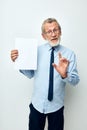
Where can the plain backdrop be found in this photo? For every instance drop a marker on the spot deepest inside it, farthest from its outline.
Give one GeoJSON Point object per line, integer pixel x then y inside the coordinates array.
{"type": "Point", "coordinates": [23, 18]}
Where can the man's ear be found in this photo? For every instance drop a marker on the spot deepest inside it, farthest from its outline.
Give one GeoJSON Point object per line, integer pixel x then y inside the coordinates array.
{"type": "Point", "coordinates": [44, 37]}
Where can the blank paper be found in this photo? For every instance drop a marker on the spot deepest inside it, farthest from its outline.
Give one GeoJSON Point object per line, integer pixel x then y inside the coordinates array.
{"type": "Point", "coordinates": [27, 50]}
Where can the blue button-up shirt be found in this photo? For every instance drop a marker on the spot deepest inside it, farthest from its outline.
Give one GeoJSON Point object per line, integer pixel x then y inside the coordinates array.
{"type": "Point", "coordinates": [41, 78]}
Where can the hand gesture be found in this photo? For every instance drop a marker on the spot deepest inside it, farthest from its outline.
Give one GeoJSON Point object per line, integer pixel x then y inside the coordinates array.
{"type": "Point", "coordinates": [62, 66]}
{"type": "Point", "coordinates": [14, 55]}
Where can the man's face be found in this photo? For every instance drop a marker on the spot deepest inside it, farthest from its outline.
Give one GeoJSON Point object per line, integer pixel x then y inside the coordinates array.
{"type": "Point", "coordinates": [52, 32]}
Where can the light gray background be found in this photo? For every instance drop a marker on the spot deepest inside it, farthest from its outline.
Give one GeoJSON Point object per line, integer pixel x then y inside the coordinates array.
{"type": "Point", "coordinates": [23, 18]}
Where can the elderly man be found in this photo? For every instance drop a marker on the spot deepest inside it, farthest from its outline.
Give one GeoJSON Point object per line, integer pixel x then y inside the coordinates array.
{"type": "Point", "coordinates": [56, 66]}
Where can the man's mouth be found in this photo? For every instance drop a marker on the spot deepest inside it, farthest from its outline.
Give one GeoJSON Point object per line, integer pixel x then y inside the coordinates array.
{"type": "Point", "coordinates": [54, 39]}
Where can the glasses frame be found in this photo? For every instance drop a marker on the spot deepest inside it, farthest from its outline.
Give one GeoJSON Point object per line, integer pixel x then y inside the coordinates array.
{"type": "Point", "coordinates": [50, 32]}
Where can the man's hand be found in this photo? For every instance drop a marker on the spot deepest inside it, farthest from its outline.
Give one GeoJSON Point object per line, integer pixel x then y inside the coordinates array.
{"type": "Point", "coordinates": [14, 55]}
{"type": "Point", "coordinates": [62, 66]}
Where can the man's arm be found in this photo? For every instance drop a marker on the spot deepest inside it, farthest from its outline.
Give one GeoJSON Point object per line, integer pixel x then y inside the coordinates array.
{"type": "Point", "coordinates": [67, 69]}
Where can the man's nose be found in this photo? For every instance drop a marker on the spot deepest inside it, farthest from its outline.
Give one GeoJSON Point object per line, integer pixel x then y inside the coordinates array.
{"type": "Point", "coordinates": [53, 33]}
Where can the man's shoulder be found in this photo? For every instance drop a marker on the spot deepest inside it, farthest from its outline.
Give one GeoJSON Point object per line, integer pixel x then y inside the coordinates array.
{"type": "Point", "coordinates": [66, 48]}
{"type": "Point", "coordinates": [43, 46]}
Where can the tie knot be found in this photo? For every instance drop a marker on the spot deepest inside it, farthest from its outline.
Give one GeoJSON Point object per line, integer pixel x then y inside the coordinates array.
{"type": "Point", "coordinates": [53, 48]}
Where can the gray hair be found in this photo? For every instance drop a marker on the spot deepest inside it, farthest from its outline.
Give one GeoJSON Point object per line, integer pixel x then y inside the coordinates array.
{"type": "Point", "coordinates": [49, 20]}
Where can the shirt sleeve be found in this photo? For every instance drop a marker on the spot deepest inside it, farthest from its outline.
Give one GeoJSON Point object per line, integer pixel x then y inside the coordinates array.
{"type": "Point", "coordinates": [28, 73]}
{"type": "Point", "coordinates": [72, 72]}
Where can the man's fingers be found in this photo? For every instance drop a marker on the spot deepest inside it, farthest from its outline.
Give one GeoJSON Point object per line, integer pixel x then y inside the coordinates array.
{"type": "Point", "coordinates": [54, 65]}
{"type": "Point", "coordinates": [60, 56]}
{"type": "Point", "coordinates": [14, 52]}
{"type": "Point", "coordinates": [14, 55]}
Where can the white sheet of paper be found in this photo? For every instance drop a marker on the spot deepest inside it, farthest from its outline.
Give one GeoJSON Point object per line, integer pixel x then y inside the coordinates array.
{"type": "Point", "coordinates": [27, 49]}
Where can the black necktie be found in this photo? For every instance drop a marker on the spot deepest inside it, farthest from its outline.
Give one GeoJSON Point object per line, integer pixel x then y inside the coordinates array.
{"type": "Point", "coordinates": [50, 91]}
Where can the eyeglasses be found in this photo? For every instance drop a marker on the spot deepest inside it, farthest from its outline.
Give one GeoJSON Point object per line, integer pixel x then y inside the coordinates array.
{"type": "Point", "coordinates": [53, 31]}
